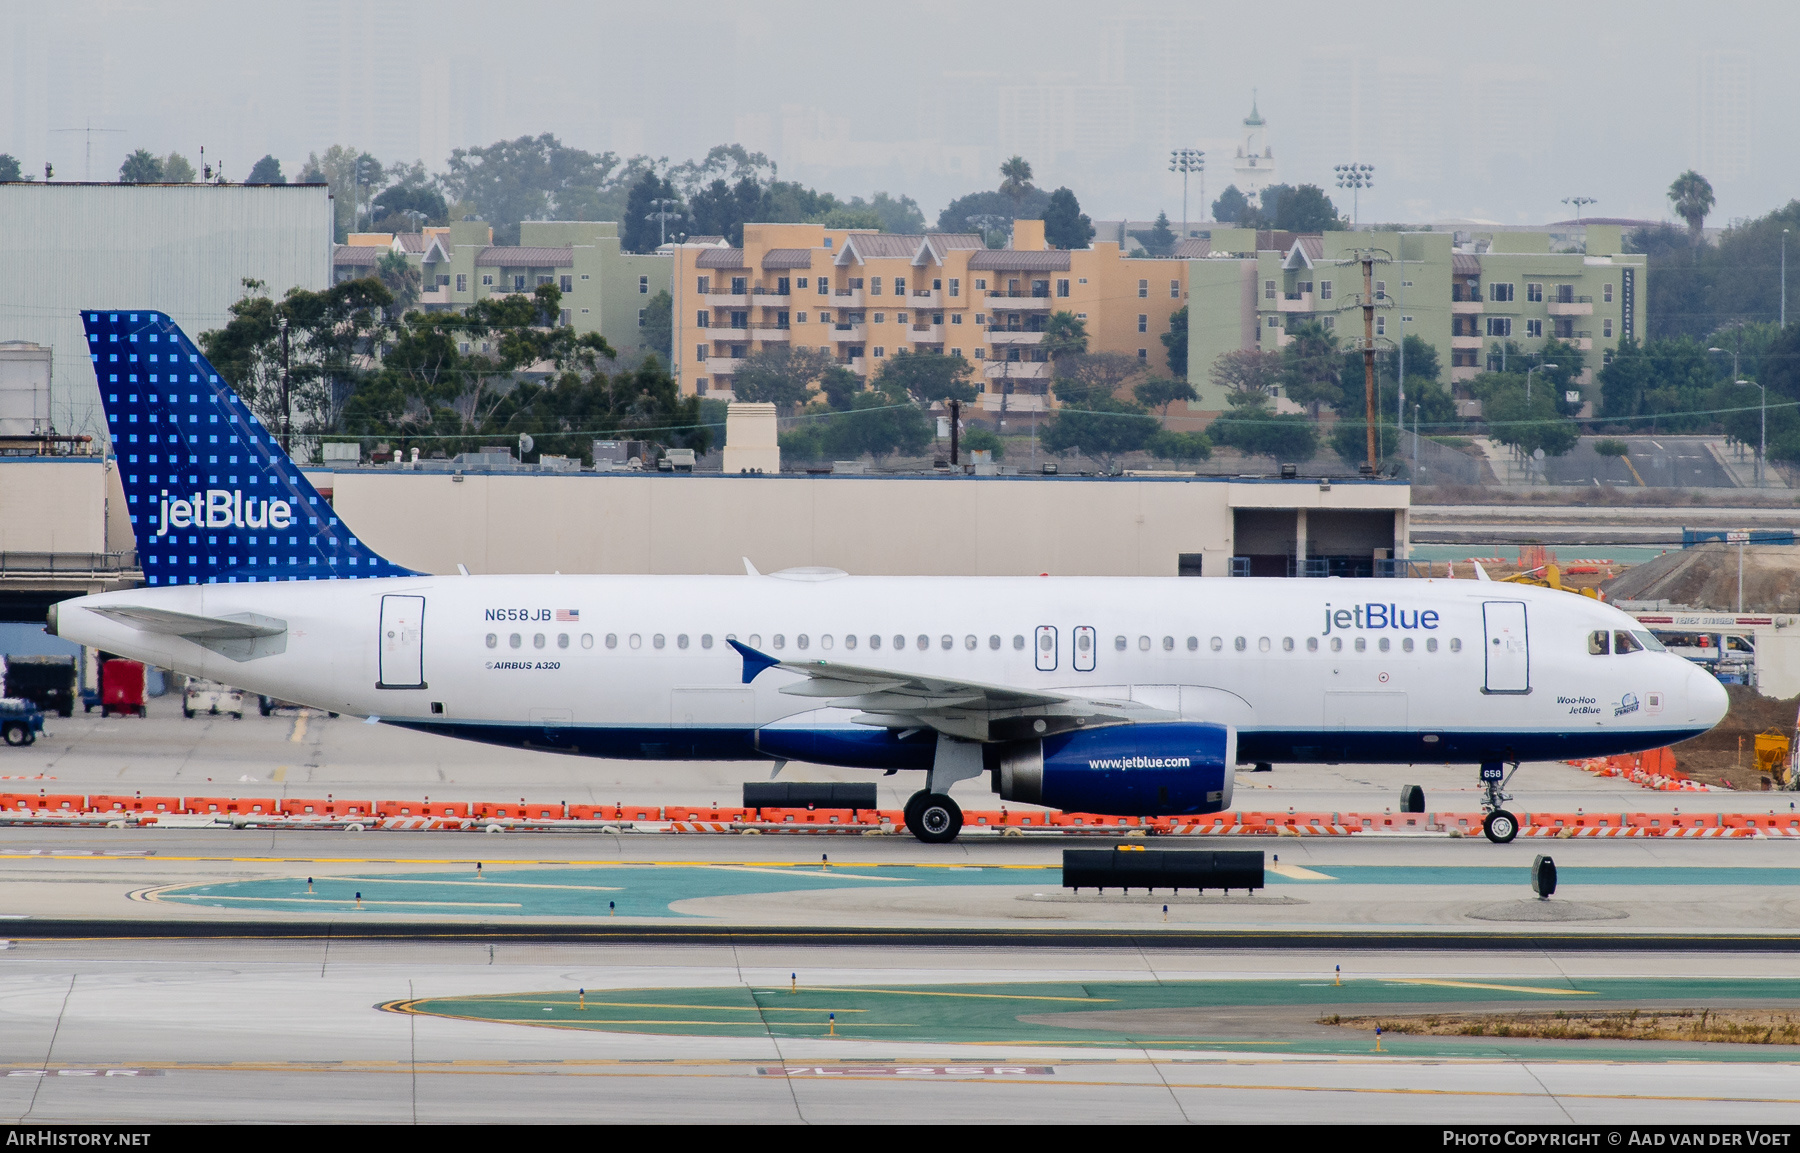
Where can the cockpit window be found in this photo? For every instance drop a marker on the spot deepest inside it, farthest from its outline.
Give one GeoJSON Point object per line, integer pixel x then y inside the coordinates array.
{"type": "Point", "coordinates": [1624, 642]}
{"type": "Point", "coordinates": [1599, 642]}
{"type": "Point", "coordinates": [1648, 639]}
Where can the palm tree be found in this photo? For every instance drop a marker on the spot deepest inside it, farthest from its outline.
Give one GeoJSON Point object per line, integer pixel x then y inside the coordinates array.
{"type": "Point", "coordinates": [1692, 195]}
{"type": "Point", "coordinates": [1015, 179]}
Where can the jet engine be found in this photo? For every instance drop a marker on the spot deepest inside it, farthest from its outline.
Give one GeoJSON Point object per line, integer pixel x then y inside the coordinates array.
{"type": "Point", "coordinates": [1152, 769]}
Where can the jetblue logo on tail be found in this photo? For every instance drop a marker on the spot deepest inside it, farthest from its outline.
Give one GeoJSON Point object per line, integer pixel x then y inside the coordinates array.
{"type": "Point", "coordinates": [212, 497]}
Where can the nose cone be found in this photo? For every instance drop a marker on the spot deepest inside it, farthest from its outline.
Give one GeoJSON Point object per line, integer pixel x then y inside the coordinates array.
{"type": "Point", "coordinates": [1707, 700]}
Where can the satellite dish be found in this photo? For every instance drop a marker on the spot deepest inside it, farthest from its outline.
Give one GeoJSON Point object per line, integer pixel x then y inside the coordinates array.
{"type": "Point", "coordinates": [1536, 453]}
{"type": "Point", "coordinates": [526, 443]}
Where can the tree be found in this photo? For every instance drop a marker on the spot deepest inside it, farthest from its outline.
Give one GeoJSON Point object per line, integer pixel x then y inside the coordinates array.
{"type": "Point", "coordinates": [1232, 207]}
{"type": "Point", "coordinates": [402, 278]}
{"type": "Point", "coordinates": [1252, 427]}
{"type": "Point", "coordinates": [956, 215]}
{"type": "Point", "coordinates": [889, 213]}
{"type": "Point", "coordinates": [1310, 367]}
{"type": "Point", "coordinates": [1064, 224]}
{"type": "Point", "coordinates": [1159, 239]}
{"type": "Point", "coordinates": [1160, 394]}
{"type": "Point", "coordinates": [9, 169]}
{"type": "Point", "coordinates": [141, 168]}
{"type": "Point", "coordinates": [266, 171]}
{"type": "Point", "coordinates": [1249, 372]}
{"type": "Point", "coordinates": [177, 170]}
{"type": "Point", "coordinates": [880, 421]}
{"type": "Point", "coordinates": [405, 199]}
{"type": "Point", "coordinates": [1183, 446]}
{"type": "Point", "coordinates": [1308, 209]}
{"type": "Point", "coordinates": [337, 167]}
{"type": "Point", "coordinates": [1270, 204]}
{"type": "Point", "coordinates": [658, 333]}
{"type": "Point", "coordinates": [985, 440]}
{"type": "Point", "coordinates": [1082, 378]}
{"type": "Point", "coordinates": [1664, 380]}
{"type": "Point", "coordinates": [1421, 360]}
{"type": "Point", "coordinates": [530, 178]}
{"type": "Point", "coordinates": [1350, 440]}
{"type": "Point", "coordinates": [1015, 182]}
{"type": "Point", "coordinates": [781, 375]}
{"type": "Point", "coordinates": [1103, 427]}
{"type": "Point", "coordinates": [1692, 196]}
{"type": "Point", "coordinates": [721, 209]}
{"type": "Point", "coordinates": [927, 377]}
{"type": "Point", "coordinates": [1175, 342]}
{"type": "Point", "coordinates": [840, 386]}
{"type": "Point", "coordinates": [637, 232]}
{"type": "Point", "coordinates": [1526, 423]}
{"type": "Point", "coordinates": [1065, 334]}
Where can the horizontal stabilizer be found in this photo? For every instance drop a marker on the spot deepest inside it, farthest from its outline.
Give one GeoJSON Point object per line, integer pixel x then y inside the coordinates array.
{"type": "Point", "coordinates": [240, 636]}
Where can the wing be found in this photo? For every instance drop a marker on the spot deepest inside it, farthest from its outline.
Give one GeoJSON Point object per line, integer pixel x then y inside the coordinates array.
{"type": "Point", "coordinates": [968, 710]}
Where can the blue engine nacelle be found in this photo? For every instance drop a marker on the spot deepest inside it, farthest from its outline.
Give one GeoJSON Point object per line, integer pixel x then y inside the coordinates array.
{"type": "Point", "coordinates": [1149, 769]}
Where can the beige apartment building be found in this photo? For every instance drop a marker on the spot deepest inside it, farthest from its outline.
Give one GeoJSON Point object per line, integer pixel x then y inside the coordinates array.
{"type": "Point", "coordinates": [863, 296]}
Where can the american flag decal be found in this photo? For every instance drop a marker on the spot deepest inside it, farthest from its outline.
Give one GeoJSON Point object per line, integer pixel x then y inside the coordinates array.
{"type": "Point", "coordinates": [568, 614]}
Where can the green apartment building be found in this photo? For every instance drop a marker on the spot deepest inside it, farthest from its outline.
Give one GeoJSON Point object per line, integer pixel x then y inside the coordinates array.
{"type": "Point", "coordinates": [1468, 294]}
{"type": "Point", "coordinates": [604, 289]}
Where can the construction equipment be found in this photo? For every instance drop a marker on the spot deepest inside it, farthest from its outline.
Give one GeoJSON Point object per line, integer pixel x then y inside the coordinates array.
{"type": "Point", "coordinates": [1550, 578]}
{"type": "Point", "coordinates": [1772, 755]}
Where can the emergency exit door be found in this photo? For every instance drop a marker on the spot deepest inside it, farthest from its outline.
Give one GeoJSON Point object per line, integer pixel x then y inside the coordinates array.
{"type": "Point", "coordinates": [1506, 647]}
{"type": "Point", "coordinates": [1045, 644]}
{"type": "Point", "coordinates": [1085, 644]}
{"type": "Point", "coordinates": [402, 643]}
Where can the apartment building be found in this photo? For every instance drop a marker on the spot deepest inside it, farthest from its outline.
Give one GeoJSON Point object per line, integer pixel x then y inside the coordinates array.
{"type": "Point", "coordinates": [1471, 295]}
{"type": "Point", "coordinates": [605, 289]}
{"type": "Point", "coordinates": [863, 296]}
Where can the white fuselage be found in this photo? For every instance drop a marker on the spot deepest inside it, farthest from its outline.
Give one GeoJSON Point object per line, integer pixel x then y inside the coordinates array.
{"type": "Point", "coordinates": [1306, 670]}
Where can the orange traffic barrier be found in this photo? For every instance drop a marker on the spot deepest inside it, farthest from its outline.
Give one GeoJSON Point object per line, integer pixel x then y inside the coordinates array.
{"type": "Point", "coordinates": [806, 816]}
{"type": "Point", "coordinates": [1384, 822]}
{"type": "Point", "coordinates": [707, 813]}
{"type": "Point", "coordinates": [1785, 825]}
{"type": "Point", "coordinates": [133, 804]}
{"type": "Point", "coordinates": [329, 807]}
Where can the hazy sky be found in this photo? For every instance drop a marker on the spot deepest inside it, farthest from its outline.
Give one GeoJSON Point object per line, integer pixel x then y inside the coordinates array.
{"type": "Point", "coordinates": [1493, 112]}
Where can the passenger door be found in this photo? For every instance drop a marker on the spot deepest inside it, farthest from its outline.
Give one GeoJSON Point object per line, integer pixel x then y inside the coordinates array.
{"type": "Point", "coordinates": [402, 643]}
{"type": "Point", "coordinates": [1506, 647]}
{"type": "Point", "coordinates": [1045, 644]}
{"type": "Point", "coordinates": [1084, 648]}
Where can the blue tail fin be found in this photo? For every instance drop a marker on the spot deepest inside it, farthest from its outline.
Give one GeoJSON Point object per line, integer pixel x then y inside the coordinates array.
{"type": "Point", "coordinates": [213, 498]}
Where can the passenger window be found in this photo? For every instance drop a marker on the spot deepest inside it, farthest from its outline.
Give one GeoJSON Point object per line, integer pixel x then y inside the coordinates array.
{"type": "Point", "coordinates": [1262, 644]}
{"type": "Point", "coordinates": [1143, 644]}
{"type": "Point", "coordinates": [994, 642]}
{"type": "Point", "coordinates": [1382, 644]}
{"type": "Point", "coordinates": [493, 640]}
{"type": "Point", "coordinates": [1312, 644]}
{"type": "Point", "coordinates": [1216, 644]}
{"type": "Point", "coordinates": [800, 641]}
{"type": "Point", "coordinates": [681, 641]}
{"type": "Point", "coordinates": [1119, 644]}
{"type": "Point", "coordinates": [755, 641]}
{"type": "Point", "coordinates": [946, 642]}
{"type": "Point", "coordinates": [657, 640]}
{"type": "Point", "coordinates": [1240, 644]}
{"type": "Point", "coordinates": [849, 640]}
{"type": "Point", "coordinates": [1456, 644]}
{"type": "Point", "coordinates": [1018, 641]}
{"type": "Point", "coordinates": [779, 641]}
{"type": "Point", "coordinates": [636, 641]}
{"type": "Point", "coordinates": [537, 640]}
{"type": "Point", "coordinates": [1287, 644]}
{"type": "Point", "coordinates": [587, 640]}
{"type": "Point", "coordinates": [515, 640]}
{"type": "Point", "coordinates": [1406, 644]}
{"type": "Point", "coordinates": [562, 640]}
{"type": "Point", "coordinates": [1046, 642]}
{"type": "Point", "coordinates": [1168, 644]}
{"type": "Point", "coordinates": [1624, 642]}
{"type": "Point", "coordinates": [874, 642]}
{"type": "Point", "coordinates": [970, 643]}
{"type": "Point", "coordinates": [825, 641]}
{"type": "Point", "coordinates": [612, 640]}
{"type": "Point", "coordinates": [1337, 644]}
{"type": "Point", "coordinates": [900, 642]}
{"type": "Point", "coordinates": [924, 642]}
{"type": "Point", "coordinates": [1597, 643]}
{"type": "Point", "coordinates": [706, 640]}
{"type": "Point", "coordinates": [1431, 644]}
{"type": "Point", "coordinates": [1362, 644]}
{"type": "Point", "coordinates": [1083, 641]}
{"type": "Point", "coordinates": [1193, 644]}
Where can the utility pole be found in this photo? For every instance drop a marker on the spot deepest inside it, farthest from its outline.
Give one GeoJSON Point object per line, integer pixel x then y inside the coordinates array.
{"type": "Point", "coordinates": [1368, 267]}
{"type": "Point", "coordinates": [955, 419]}
{"type": "Point", "coordinates": [287, 412]}
{"type": "Point", "coordinates": [1184, 161]}
{"type": "Point", "coordinates": [1784, 233]}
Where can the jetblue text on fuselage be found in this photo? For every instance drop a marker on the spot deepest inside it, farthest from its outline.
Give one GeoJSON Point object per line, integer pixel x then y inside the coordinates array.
{"type": "Point", "coordinates": [519, 614]}
{"type": "Point", "coordinates": [222, 508]}
{"type": "Point", "coordinates": [1377, 616]}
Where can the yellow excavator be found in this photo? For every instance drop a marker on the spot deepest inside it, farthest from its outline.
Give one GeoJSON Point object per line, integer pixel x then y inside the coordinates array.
{"type": "Point", "coordinates": [1549, 577]}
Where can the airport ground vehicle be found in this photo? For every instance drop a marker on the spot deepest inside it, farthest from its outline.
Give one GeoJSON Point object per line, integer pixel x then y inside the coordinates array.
{"type": "Point", "coordinates": [48, 682]}
{"type": "Point", "coordinates": [20, 721]}
{"type": "Point", "coordinates": [212, 698]}
{"type": "Point", "coordinates": [122, 688]}
{"type": "Point", "coordinates": [1128, 695]}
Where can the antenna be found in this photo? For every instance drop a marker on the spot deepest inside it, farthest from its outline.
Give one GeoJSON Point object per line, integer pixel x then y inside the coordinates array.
{"type": "Point", "coordinates": [87, 166]}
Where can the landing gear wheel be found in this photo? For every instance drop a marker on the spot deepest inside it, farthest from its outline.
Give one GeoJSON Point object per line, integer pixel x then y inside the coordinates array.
{"type": "Point", "coordinates": [933, 818]}
{"type": "Point", "coordinates": [1500, 826]}
{"type": "Point", "coordinates": [1412, 799]}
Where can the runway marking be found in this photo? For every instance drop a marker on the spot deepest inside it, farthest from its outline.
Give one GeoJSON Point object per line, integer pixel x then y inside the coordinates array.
{"type": "Point", "coordinates": [366, 901]}
{"type": "Point", "coordinates": [280, 773]}
{"type": "Point", "coordinates": [614, 863]}
{"type": "Point", "coordinates": [794, 871]}
{"type": "Point", "coordinates": [484, 883]}
{"type": "Point", "coordinates": [925, 993]}
{"type": "Point", "coordinates": [1298, 873]}
{"type": "Point", "coordinates": [299, 733]}
{"type": "Point", "coordinates": [655, 1005]}
{"type": "Point", "coordinates": [1501, 988]}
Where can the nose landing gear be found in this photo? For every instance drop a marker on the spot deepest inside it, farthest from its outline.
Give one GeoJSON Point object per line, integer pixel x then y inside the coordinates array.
{"type": "Point", "coordinates": [1499, 825]}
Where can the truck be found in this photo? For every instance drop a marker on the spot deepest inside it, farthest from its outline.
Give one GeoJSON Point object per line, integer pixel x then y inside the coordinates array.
{"type": "Point", "coordinates": [122, 688]}
{"type": "Point", "coordinates": [48, 682]}
{"type": "Point", "coordinates": [213, 698]}
{"type": "Point", "coordinates": [20, 721]}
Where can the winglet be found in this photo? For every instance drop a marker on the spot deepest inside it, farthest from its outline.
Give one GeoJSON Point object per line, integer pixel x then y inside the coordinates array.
{"type": "Point", "coordinates": [750, 569]}
{"type": "Point", "coordinates": [754, 662]}
{"type": "Point", "coordinates": [1480, 573]}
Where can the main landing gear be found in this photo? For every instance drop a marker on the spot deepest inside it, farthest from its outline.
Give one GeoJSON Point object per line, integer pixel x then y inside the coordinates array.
{"type": "Point", "coordinates": [1499, 825]}
{"type": "Point", "coordinates": [933, 817]}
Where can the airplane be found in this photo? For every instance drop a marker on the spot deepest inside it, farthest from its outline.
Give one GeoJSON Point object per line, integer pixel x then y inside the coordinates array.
{"type": "Point", "coordinates": [1122, 695]}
